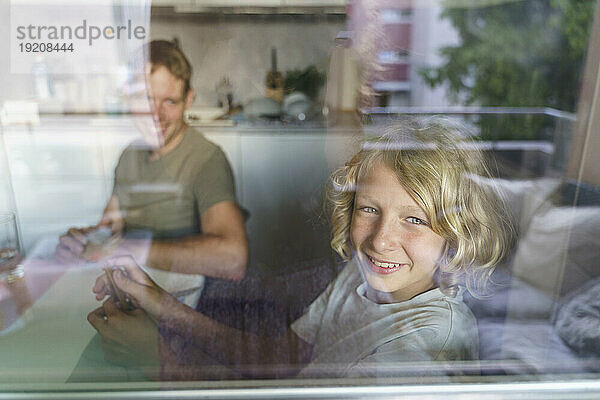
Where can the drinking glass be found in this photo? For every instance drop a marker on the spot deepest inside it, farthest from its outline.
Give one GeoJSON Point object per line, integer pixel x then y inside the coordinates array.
{"type": "Point", "coordinates": [14, 302]}
{"type": "Point", "coordinates": [10, 248]}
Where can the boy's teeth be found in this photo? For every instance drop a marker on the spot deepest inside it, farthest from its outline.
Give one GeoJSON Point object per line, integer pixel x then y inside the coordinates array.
{"type": "Point", "coordinates": [383, 265]}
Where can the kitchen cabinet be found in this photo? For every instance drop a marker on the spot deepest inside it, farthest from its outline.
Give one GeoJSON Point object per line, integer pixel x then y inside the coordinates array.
{"type": "Point", "coordinates": [286, 180]}
{"type": "Point", "coordinates": [281, 177]}
{"type": "Point", "coordinates": [61, 172]}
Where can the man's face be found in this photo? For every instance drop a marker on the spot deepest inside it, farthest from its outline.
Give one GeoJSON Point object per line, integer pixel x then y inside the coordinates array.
{"type": "Point", "coordinates": [168, 101]}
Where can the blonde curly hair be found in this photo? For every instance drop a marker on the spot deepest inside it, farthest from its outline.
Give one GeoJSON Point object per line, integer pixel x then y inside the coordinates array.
{"type": "Point", "coordinates": [437, 164]}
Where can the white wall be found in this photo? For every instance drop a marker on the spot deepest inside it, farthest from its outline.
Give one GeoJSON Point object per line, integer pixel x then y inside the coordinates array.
{"type": "Point", "coordinates": [12, 86]}
{"type": "Point", "coordinates": [241, 49]}
{"type": "Point", "coordinates": [430, 33]}
{"type": "Point", "coordinates": [6, 196]}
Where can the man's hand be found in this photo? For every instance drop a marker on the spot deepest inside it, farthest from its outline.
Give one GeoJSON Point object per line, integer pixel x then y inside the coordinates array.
{"type": "Point", "coordinates": [128, 338]}
{"type": "Point", "coordinates": [72, 244]}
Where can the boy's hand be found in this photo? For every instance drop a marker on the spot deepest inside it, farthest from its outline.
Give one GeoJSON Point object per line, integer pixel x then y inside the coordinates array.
{"type": "Point", "coordinates": [128, 338]}
{"type": "Point", "coordinates": [142, 291]}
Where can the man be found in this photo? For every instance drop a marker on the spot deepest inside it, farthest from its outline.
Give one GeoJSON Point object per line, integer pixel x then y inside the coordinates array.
{"type": "Point", "coordinates": [180, 188]}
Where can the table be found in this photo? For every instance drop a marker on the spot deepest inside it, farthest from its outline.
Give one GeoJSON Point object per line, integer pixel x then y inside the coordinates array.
{"type": "Point", "coordinates": [46, 342]}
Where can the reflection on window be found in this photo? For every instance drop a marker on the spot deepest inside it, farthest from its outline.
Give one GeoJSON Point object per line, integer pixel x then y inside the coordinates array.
{"type": "Point", "coordinates": [324, 218]}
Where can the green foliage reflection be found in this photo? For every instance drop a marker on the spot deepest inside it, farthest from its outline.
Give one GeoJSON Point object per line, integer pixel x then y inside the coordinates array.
{"type": "Point", "coordinates": [515, 54]}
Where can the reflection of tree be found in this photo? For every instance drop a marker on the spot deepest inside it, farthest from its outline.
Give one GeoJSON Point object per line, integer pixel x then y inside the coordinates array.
{"type": "Point", "coordinates": [519, 54]}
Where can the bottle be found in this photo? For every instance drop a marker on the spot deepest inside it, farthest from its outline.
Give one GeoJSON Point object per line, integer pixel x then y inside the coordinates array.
{"type": "Point", "coordinates": [225, 91]}
{"type": "Point", "coordinates": [44, 89]}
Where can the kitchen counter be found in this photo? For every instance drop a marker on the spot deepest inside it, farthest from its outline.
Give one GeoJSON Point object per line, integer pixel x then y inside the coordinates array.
{"type": "Point", "coordinates": [55, 121]}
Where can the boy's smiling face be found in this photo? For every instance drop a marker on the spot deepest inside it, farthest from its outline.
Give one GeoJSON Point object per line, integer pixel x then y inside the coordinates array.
{"type": "Point", "coordinates": [397, 249]}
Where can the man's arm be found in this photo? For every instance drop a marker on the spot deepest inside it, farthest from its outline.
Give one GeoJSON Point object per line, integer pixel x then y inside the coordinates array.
{"type": "Point", "coordinates": [221, 251]}
{"type": "Point", "coordinates": [111, 216]}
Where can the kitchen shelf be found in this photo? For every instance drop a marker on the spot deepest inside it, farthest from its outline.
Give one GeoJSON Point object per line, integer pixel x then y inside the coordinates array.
{"type": "Point", "coordinates": [391, 86]}
{"type": "Point", "coordinates": [251, 7]}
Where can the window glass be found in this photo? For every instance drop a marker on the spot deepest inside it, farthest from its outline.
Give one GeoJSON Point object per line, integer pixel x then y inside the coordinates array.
{"type": "Point", "coordinates": [298, 198]}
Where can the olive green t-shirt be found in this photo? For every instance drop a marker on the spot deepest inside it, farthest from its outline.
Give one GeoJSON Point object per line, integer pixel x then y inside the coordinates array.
{"type": "Point", "coordinates": [167, 196]}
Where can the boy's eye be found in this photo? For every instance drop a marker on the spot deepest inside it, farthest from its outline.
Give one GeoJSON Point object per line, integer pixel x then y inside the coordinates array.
{"type": "Point", "coordinates": [416, 221]}
{"type": "Point", "coordinates": [369, 210]}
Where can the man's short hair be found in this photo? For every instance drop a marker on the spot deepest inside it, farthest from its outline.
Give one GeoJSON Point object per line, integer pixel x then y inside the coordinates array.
{"type": "Point", "coordinates": [168, 54]}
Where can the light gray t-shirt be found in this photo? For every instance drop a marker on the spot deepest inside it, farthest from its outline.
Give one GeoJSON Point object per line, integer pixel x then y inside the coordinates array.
{"type": "Point", "coordinates": [353, 336]}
